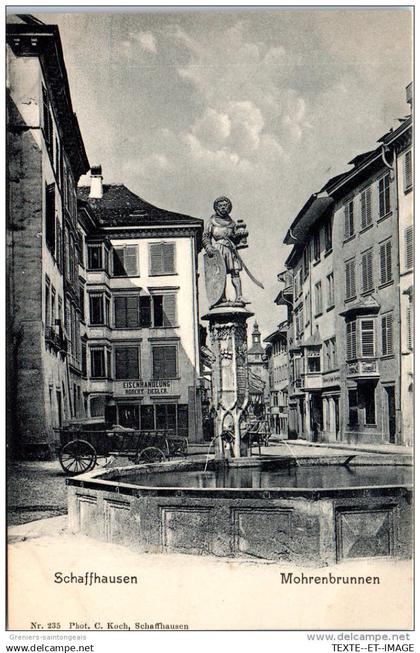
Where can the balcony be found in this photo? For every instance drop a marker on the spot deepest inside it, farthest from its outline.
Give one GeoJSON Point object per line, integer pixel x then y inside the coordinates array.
{"type": "Point", "coordinates": [55, 340]}
{"type": "Point", "coordinates": [363, 369]}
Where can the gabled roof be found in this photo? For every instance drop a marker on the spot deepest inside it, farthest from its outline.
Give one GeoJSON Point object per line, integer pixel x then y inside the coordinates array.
{"type": "Point", "coordinates": [311, 212]}
{"type": "Point", "coordinates": [119, 206]}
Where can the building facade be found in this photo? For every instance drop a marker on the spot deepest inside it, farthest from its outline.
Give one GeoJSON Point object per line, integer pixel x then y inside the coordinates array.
{"type": "Point", "coordinates": [102, 310]}
{"type": "Point", "coordinates": [351, 263]}
{"type": "Point", "coordinates": [45, 158]}
{"type": "Point", "coordinates": [278, 379]}
{"type": "Point", "coordinates": [141, 307]}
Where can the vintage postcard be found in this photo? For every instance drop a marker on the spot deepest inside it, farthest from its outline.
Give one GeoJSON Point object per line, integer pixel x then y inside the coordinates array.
{"type": "Point", "coordinates": [210, 320]}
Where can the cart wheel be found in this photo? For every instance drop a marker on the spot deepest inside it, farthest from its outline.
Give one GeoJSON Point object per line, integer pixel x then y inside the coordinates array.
{"type": "Point", "coordinates": [150, 455]}
{"type": "Point", "coordinates": [77, 457]}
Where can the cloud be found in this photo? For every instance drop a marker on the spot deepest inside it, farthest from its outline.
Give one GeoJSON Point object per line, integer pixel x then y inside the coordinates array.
{"type": "Point", "coordinates": [146, 40]}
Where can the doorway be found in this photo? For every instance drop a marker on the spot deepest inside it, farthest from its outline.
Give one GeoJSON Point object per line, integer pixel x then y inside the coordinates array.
{"type": "Point", "coordinates": [59, 409]}
{"type": "Point", "coordinates": [390, 391]}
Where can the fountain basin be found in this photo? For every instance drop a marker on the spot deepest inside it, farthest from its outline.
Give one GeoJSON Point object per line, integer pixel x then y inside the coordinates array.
{"type": "Point", "coordinates": [174, 507]}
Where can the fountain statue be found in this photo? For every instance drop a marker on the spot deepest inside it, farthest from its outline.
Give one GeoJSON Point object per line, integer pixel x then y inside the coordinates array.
{"type": "Point", "coordinates": [222, 239]}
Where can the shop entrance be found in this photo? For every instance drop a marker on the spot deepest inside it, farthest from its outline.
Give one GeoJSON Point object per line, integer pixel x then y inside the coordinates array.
{"type": "Point", "coordinates": [390, 391]}
{"type": "Point", "coordinates": [316, 416]}
{"type": "Point", "coordinates": [129, 416]}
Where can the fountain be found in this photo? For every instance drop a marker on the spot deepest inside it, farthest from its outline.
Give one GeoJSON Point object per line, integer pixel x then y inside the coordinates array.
{"type": "Point", "coordinates": [314, 513]}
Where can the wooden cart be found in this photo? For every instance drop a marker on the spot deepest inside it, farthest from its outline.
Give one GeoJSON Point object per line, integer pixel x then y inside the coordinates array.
{"type": "Point", "coordinates": [81, 449]}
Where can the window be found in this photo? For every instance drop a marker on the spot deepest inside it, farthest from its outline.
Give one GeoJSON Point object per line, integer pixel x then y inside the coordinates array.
{"type": "Point", "coordinates": [350, 279]}
{"type": "Point", "coordinates": [317, 246]}
{"type": "Point", "coordinates": [96, 309]}
{"type": "Point", "coordinates": [408, 170]}
{"type": "Point", "coordinates": [275, 399]}
{"type": "Point", "coordinates": [145, 311]}
{"type": "Point", "coordinates": [299, 323]}
{"type": "Point", "coordinates": [367, 402]}
{"type": "Point", "coordinates": [306, 262]}
{"type": "Point", "coordinates": [95, 257]}
{"type": "Point", "coordinates": [328, 235]}
{"type": "Point", "coordinates": [367, 271]}
{"type": "Point", "coordinates": [127, 363]}
{"type": "Point", "coordinates": [164, 361]}
{"type": "Point", "coordinates": [97, 406]}
{"type": "Point", "coordinates": [351, 340]}
{"type": "Point", "coordinates": [409, 247]}
{"type": "Point", "coordinates": [47, 120]}
{"type": "Point", "coordinates": [125, 261]}
{"type": "Point", "coordinates": [59, 246]}
{"type": "Point", "coordinates": [333, 354]}
{"type": "Point", "coordinates": [53, 305]}
{"type": "Point", "coordinates": [330, 290]}
{"type": "Point", "coordinates": [348, 220]}
{"type": "Point", "coordinates": [164, 310]}
{"type": "Point", "coordinates": [82, 302]}
{"type": "Point", "coordinates": [50, 216]}
{"type": "Point", "coordinates": [366, 208]}
{"type": "Point", "coordinates": [314, 364]}
{"type": "Point", "coordinates": [387, 343]}
{"type": "Point", "coordinates": [353, 412]}
{"type": "Point", "coordinates": [307, 308]}
{"type": "Point", "coordinates": [84, 359]}
{"type": "Point", "coordinates": [410, 326]}
{"type": "Point", "coordinates": [162, 258]}
{"type": "Point", "coordinates": [97, 363]}
{"type": "Point", "coordinates": [166, 416]}
{"type": "Point", "coordinates": [386, 261]}
{"type": "Point", "coordinates": [368, 337]}
{"type": "Point", "coordinates": [47, 302]}
{"type": "Point", "coordinates": [81, 248]}
{"type": "Point", "coordinates": [384, 196]}
{"type": "Point", "coordinates": [298, 282]}
{"type": "Point", "coordinates": [318, 298]}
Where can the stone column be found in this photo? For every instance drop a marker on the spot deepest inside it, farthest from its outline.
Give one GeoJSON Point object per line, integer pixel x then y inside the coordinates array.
{"type": "Point", "coordinates": [228, 337]}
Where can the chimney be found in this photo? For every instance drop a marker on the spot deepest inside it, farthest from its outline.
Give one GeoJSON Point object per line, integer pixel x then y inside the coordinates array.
{"type": "Point", "coordinates": [96, 190]}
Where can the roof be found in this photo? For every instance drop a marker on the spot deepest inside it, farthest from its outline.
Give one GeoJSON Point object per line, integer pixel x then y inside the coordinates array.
{"type": "Point", "coordinates": [311, 212]}
{"type": "Point", "coordinates": [44, 42]}
{"type": "Point", "coordinates": [256, 348]}
{"type": "Point", "coordinates": [119, 206]}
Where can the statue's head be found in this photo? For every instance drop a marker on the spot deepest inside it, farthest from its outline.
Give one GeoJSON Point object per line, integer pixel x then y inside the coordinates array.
{"type": "Point", "coordinates": [222, 206]}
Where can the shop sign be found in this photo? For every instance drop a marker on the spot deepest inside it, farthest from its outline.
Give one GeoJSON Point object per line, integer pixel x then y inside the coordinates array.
{"type": "Point", "coordinates": [142, 388]}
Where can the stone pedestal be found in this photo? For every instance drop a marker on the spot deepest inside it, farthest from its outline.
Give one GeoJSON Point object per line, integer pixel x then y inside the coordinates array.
{"type": "Point", "coordinates": [230, 388]}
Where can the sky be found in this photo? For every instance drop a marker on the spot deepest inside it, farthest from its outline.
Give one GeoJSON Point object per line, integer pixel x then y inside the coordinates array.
{"type": "Point", "coordinates": [263, 106]}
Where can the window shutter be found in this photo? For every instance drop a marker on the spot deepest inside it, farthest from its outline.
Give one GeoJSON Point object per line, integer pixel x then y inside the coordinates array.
{"type": "Point", "coordinates": [408, 170]}
{"type": "Point", "coordinates": [158, 362]}
{"type": "Point", "coordinates": [120, 363]}
{"type": "Point", "coordinates": [409, 249]}
{"type": "Point", "coordinates": [387, 335]}
{"type": "Point", "coordinates": [350, 279]}
{"type": "Point", "coordinates": [120, 312]}
{"type": "Point", "coordinates": [409, 327]}
{"type": "Point", "coordinates": [145, 311]}
{"type": "Point", "coordinates": [118, 262]}
{"type": "Point", "coordinates": [381, 197]}
{"type": "Point", "coordinates": [386, 262]}
{"type": "Point", "coordinates": [366, 208]}
{"type": "Point", "coordinates": [132, 362]}
{"type": "Point", "coordinates": [169, 310]}
{"type": "Point", "coordinates": [170, 362]}
{"type": "Point", "coordinates": [351, 340]}
{"type": "Point", "coordinates": [168, 255]}
{"type": "Point", "coordinates": [132, 311]}
{"type": "Point", "coordinates": [155, 258]}
{"type": "Point", "coordinates": [130, 260]}
{"type": "Point", "coordinates": [367, 271]}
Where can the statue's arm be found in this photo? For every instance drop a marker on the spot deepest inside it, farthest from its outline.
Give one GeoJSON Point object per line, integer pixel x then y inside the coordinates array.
{"type": "Point", "coordinates": [207, 238]}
